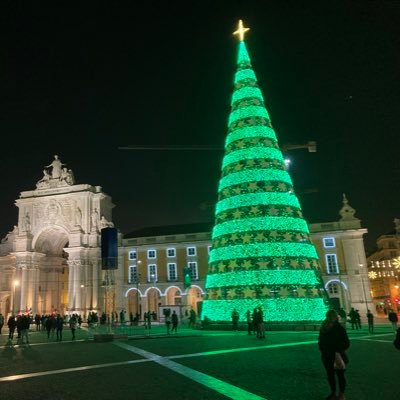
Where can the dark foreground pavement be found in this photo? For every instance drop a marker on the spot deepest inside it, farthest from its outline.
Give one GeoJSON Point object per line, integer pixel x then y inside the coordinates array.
{"type": "Point", "coordinates": [195, 365]}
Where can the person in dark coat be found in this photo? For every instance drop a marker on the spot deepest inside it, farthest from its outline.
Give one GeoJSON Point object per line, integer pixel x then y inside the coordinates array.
{"type": "Point", "coordinates": [174, 319]}
{"type": "Point", "coordinates": [370, 318]}
{"type": "Point", "coordinates": [11, 323]}
{"type": "Point", "coordinates": [249, 322]}
{"type": "Point", "coordinates": [333, 339]}
{"type": "Point", "coordinates": [59, 327]}
{"type": "Point", "coordinates": [48, 324]}
{"type": "Point", "coordinates": [353, 316]}
{"type": "Point", "coordinates": [392, 317]}
{"type": "Point", "coordinates": [235, 320]}
{"type": "Point", "coordinates": [1, 322]}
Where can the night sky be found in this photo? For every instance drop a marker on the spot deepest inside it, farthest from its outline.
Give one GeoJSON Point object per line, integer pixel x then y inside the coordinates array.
{"type": "Point", "coordinates": [81, 82]}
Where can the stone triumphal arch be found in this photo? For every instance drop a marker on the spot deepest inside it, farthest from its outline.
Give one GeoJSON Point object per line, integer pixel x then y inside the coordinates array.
{"type": "Point", "coordinates": [51, 260]}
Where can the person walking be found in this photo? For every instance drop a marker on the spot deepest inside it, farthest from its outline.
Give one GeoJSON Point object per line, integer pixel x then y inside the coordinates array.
{"type": "Point", "coordinates": [352, 316]}
{"type": "Point", "coordinates": [72, 325]}
{"type": "Point", "coordinates": [168, 322]}
{"type": "Point", "coordinates": [249, 322]}
{"type": "Point", "coordinates": [235, 320]}
{"type": "Point", "coordinates": [370, 318]}
{"type": "Point", "coordinates": [48, 324]}
{"type": "Point", "coordinates": [1, 322]}
{"type": "Point", "coordinates": [59, 327]}
{"type": "Point", "coordinates": [25, 322]}
{"type": "Point", "coordinates": [258, 321]}
{"type": "Point", "coordinates": [358, 319]}
{"type": "Point", "coordinates": [393, 318]}
{"type": "Point", "coordinates": [333, 343]}
{"type": "Point", "coordinates": [12, 324]}
{"type": "Point", "coordinates": [174, 320]}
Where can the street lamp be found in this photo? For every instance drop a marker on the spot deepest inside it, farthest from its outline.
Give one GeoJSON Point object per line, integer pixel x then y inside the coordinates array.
{"type": "Point", "coordinates": [153, 279]}
{"type": "Point", "coordinates": [15, 284]}
{"type": "Point", "coordinates": [362, 282]}
{"type": "Point", "coordinates": [138, 303]}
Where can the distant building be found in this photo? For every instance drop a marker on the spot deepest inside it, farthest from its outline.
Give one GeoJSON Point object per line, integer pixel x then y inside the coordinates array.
{"type": "Point", "coordinates": [340, 246]}
{"type": "Point", "coordinates": [384, 271]}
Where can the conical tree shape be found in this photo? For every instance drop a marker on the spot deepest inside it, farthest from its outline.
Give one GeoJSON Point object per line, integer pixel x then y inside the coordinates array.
{"type": "Point", "coordinates": [261, 251]}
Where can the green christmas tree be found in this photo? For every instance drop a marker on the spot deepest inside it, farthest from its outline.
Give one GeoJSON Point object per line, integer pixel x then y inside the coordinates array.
{"type": "Point", "coordinates": [261, 252]}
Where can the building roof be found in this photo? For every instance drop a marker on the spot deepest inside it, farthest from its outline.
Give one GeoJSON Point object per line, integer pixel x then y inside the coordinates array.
{"type": "Point", "coordinates": [170, 230]}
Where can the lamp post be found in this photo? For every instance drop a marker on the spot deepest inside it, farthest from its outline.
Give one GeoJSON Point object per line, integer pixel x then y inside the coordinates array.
{"type": "Point", "coordinates": [153, 279]}
{"type": "Point", "coordinates": [362, 282]}
{"type": "Point", "coordinates": [138, 303]}
{"type": "Point", "coordinates": [15, 284]}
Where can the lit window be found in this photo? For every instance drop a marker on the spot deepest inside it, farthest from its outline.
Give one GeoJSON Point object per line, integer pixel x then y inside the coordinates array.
{"type": "Point", "coordinates": [151, 253]}
{"type": "Point", "coordinates": [152, 273]}
{"type": "Point", "coordinates": [333, 288]}
{"type": "Point", "coordinates": [191, 251]}
{"type": "Point", "coordinates": [172, 275]}
{"type": "Point", "coordinates": [194, 273]}
{"type": "Point", "coordinates": [329, 242]}
{"type": "Point", "coordinates": [331, 264]}
{"type": "Point", "coordinates": [171, 252]}
{"type": "Point", "coordinates": [132, 255]}
{"type": "Point", "coordinates": [132, 277]}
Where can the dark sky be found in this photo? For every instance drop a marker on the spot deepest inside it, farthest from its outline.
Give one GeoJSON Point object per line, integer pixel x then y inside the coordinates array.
{"type": "Point", "coordinates": [80, 82]}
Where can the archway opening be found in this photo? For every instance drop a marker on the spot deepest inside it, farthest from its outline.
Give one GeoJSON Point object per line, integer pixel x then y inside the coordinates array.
{"type": "Point", "coordinates": [52, 279]}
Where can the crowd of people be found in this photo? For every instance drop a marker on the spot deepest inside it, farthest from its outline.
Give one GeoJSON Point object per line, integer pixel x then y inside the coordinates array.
{"type": "Point", "coordinates": [50, 324]}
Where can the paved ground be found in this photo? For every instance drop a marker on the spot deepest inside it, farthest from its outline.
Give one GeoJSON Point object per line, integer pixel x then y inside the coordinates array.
{"type": "Point", "coordinates": [194, 365]}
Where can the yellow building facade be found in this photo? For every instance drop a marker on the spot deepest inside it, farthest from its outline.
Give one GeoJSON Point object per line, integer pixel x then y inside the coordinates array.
{"type": "Point", "coordinates": [384, 271]}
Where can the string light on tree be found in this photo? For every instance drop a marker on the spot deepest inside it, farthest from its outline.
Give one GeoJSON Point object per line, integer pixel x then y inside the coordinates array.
{"type": "Point", "coordinates": [261, 252]}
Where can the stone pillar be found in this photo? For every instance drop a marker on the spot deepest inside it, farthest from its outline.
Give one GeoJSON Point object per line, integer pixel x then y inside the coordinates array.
{"type": "Point", "coordinates": [74, 286]}
{"type": "Point", "coordinates": [24, 288]}
{"type": "Point", "coordinates": [34, 279]}
{"type": "Point", "coordinates": [71, 293]}
{"type": "Point", "coordinates": [96, 281]}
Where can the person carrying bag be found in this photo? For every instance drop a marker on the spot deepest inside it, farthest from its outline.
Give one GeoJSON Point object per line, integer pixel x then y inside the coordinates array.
{"type": "Point", "coordinates": [333, 343]}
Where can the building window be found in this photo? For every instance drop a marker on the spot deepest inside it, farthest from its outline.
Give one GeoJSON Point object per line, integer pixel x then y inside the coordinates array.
{"type": "Point", "coordinates": [329, 242]}
{"type": "Point", "coordinates": [151, 253]}
{"type": "Point", "coordinates": [209, 249]}
{"type": "Point", "coordinates": [171, 252]}
{"type": "Point", "coordinates": [191, 251]}
{"type": "Point", "coordinates": [333, 288]}
{"type": "Point", "coordinates": [132, 255]}
{"type": "Point", "coordinates": [152, 273]}
{"type": "Point", "coordinates": [132, 276]}
{"type": "Point", "coordinates": [331, 264]}
{"type": "Point", "coordinates": [194, 273]}
{"type": "Point", "coordinates": [172, 275]}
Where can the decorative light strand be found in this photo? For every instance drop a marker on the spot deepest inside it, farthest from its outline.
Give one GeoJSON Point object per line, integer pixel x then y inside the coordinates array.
{"type": "Point", "coordinates": [252, 153]}
{"type": "Point", "coordinates": [250, 199]}
{"type": "Point", "coordinates": [247, 92]}
{"type": "Point", "coordinates": [247, 112]}
{"type": "Point", "coordinates": [283, 249]}
{"type": "Point", "coordinates": [260, 223]}
{"type": "Point", "coordinates": [254, 175]}
{"type": "Point", "coordinates": [244, 75]}
{"type": "Point", "coordinates": [250, 132]}
{"type": "Point", "coordinates": [263, 277]}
